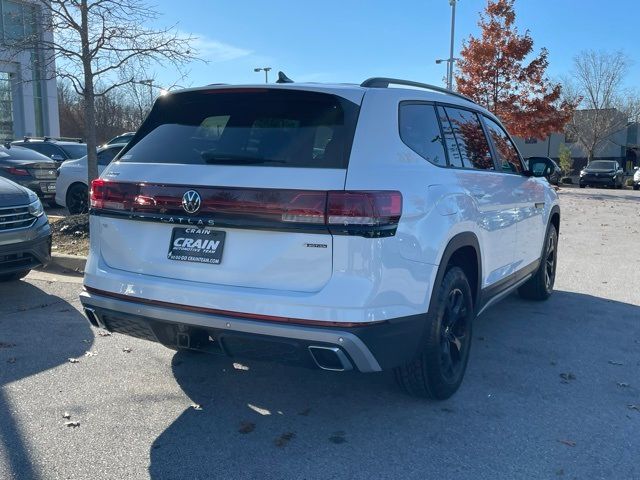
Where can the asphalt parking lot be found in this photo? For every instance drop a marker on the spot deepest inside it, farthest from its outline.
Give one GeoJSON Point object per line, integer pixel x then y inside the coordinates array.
{"type": "Point", "coordinates": [552, 389]}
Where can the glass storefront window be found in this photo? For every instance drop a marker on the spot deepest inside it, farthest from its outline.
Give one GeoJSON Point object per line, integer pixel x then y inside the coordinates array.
{"type": "Point", "coordinates": [6, 107]}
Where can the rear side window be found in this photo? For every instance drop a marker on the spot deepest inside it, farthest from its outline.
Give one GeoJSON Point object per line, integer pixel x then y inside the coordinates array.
{"type": "Point", "coordinates": [469, 135]}
{"type": "Point", "coordinates": [420, 131]}
{"type": "Point", "coordinates": [508, 158]}
{"type": "Point", "coordinates": [279, 128]}
{"type": "Point", "coordinates": [45, 149]}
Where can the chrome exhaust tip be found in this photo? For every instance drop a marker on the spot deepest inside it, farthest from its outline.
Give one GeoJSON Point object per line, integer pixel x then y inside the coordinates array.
{"type": "Point", "coordinates": [93, 317]}
{"type": "Point", "coordinates": [330, 358]}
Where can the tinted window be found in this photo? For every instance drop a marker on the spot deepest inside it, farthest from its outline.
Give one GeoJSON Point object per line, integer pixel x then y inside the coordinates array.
{"type": "Point", "coordinates": [455, 160]}
{"type": "Point", "coordinates": [420, 131]}
{"type": "Point", "coordinates": [105, 156]}
{"type": "Point", "coordinates": [472, 143]}
{"type": "Point", "coordinates": [603, 165]}
{"type": "Point", "coordinates": [508, 158]}
{"type": "Point", "coordinates": [281, 128]}
{"type": "Point", "coordinates": [75, 151]}
{"type": "Point", "coordinates": [44, 148]}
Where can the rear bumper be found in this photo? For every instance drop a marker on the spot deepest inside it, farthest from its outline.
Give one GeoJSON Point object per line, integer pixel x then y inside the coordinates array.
{"type": "Point", "coordinates": [367, 348]}
{"type": "Point", "coordinates": [37, 186]}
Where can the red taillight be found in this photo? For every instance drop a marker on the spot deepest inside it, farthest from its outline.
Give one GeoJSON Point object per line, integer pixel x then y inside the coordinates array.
{"type": "Point", "coordinates": [364, 208]}
{"type": "Point", "coordinates": [113, 195]}
{"type": "Point", "coordinates": [21, 172]}
{"type": "Point", "coordinates": [366, 213]}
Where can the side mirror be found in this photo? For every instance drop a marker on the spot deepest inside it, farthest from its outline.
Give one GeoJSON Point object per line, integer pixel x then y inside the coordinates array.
{"type": "Point", "coordinates": [540, 167]}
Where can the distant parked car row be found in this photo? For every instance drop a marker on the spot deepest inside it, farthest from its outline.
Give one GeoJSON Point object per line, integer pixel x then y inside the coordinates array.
{"type": "Point", "coordinates": [35, 163]}
{"type": "Point", "coordinates": [71, 186]}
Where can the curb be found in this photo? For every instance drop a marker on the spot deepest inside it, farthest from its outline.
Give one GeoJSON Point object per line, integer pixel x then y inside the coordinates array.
{"type": "Point", "coordinates": [75, 263]}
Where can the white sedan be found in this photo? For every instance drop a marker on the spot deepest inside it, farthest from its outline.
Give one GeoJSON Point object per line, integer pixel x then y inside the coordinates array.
{"type": "Point", "coordinates": [71, 185]}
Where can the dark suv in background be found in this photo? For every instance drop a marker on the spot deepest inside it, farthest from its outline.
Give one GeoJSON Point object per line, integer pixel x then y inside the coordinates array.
{"type": "Point", "coordinates": [25, 235]}
{"type": "Point", "coordinates": [58, 149]}
{"type": "Point", "coordinates": [602, 172]}
{"type": "Point", "coordinates": [29, 169]}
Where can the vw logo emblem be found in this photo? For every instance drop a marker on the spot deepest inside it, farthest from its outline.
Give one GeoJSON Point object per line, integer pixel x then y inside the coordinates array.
{"type": "Point", "coordinates": [191, 201]}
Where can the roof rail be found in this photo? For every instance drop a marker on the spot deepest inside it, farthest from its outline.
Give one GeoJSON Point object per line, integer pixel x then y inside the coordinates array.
{"type": "Point", "coordinates": [47, 139]}
{"type": "Point", "coordinates": [383, 82]}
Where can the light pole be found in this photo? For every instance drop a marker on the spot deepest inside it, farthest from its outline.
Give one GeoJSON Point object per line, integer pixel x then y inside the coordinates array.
{"type": "Point", "coordinates": [450, 61]}
{"type": "Point", "coordinates": [266, 72]}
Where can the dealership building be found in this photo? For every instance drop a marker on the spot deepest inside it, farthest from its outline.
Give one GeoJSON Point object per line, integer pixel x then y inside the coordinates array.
{"type": "Point", "coordinates": [28, 100]}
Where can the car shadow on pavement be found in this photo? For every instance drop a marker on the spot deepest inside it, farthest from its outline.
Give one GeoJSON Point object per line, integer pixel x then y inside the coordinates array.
{"type": "Point", "coordinates": [534, 369]}
{"type": "Point", "coordinates": [31, 343]}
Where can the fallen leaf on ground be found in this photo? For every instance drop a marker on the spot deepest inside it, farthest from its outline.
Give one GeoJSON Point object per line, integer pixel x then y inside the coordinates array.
{"type": "Point", "coordinates": [283, 439]}
{"type": "Point", "coordinates": [74, 360]}
{"type": "Point", "coordinates": [247, 427]}
{"type": "Point", "coordinates": [104, 333]}
{"type": "Point", "coordinates": [196, 406]}
{"type": "Point", "coordinates": [72, 424]}
{"type": "Point", "coordinates": [127, 350]}
{"type": "Point", "coordinates": [569, 443]}
{"type": "Point", "coordinates": [66, 415]}
{"type": "Point", "coordinates": [633, 407]}
{"type": "Point", "coordinates": [613, 362]}
{"type": "Point", "coordinates": [622, 384]}
{"type": "Point", "coordinates": [11, 360]}
{"type": "Point", "coordinates": [90, 354]}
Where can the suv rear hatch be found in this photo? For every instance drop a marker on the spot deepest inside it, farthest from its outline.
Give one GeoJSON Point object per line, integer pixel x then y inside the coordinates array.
{"type": "Point", "coordinates": [233, 186]}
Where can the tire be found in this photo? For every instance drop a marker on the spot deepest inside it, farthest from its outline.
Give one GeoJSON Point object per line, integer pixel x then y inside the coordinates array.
{"type": "Point", "coordinates": [10, 277]}
{"type": "Point", "coordinates": [636, 187]}
{"type": "Point", "coordinates": [77, 199]}
{"type": "Point", "coordinates": [540, 286]}
{"type": "Point", "coordinates": [438, 370]}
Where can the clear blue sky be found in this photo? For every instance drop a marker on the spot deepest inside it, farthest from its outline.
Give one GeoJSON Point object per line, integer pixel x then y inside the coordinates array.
{"type": "Point", "coordinates": [349, 40]}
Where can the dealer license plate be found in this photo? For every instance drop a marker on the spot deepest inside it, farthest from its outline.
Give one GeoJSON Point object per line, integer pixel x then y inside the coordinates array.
{"type": "Point", "coordinates": [199, 245]}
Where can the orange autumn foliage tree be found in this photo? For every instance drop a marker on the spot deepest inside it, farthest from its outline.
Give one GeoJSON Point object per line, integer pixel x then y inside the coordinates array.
{"type": "Point", "coordinates": [494, 71]}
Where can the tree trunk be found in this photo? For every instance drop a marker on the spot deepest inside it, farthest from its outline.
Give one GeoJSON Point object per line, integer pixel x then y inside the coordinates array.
{"type": "Point", "coordinates": [89, 96]}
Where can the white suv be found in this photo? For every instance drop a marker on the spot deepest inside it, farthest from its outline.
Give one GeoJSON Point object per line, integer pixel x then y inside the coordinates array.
{"type": "Point", "coordinates": [339, 226]}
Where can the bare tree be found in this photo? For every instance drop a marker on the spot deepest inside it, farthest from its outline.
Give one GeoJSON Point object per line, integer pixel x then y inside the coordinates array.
{"type": "Point", "coordinates": [94, 41]}
{"type": "Point", "coordinates": [596, 85]}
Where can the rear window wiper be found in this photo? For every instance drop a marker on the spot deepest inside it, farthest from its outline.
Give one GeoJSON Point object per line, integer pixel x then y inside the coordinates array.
{"type": "Point", "coordinates": [231, 159]}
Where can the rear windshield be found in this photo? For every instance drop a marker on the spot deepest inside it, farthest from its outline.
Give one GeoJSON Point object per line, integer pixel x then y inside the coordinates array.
{"type": "Point", "coordinates": [21, 153]}
{"type": "Point", "coordinates": [279, 128]}
{"type": "Point", "coordinates": [74, 151]}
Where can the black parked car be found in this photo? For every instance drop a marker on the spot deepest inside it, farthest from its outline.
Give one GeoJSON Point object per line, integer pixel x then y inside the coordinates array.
{"type": "Point", "coordinates": [30, 169]}
{"type": "Point", "coordinates": [25, 235]}
{"type": "Point", "coordinates": [58, 149]}
{"type": "Point", "coordinates": [602, 172]}
{"type": "Point", "coordinates": [554, 176]}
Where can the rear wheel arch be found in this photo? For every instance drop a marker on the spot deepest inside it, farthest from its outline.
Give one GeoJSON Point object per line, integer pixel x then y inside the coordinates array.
{"type": "Point", "coordinates": [463, 251]}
